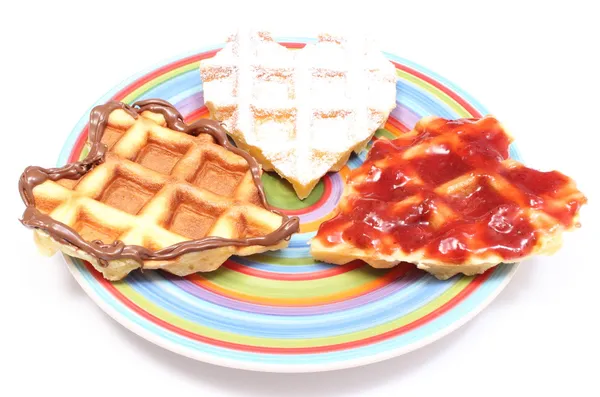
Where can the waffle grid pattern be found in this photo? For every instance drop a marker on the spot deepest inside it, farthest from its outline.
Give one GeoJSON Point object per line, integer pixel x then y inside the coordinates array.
{"type": "Point", "coordinates": [158, 187]}
{"type": "Point", "coordinates": [301, 113]}
{"type": "Point", "coordinates": [418, 197]}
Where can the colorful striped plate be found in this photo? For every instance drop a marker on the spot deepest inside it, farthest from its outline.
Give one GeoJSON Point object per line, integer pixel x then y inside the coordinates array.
{"type": "Point", "coordinates": [282, 311]}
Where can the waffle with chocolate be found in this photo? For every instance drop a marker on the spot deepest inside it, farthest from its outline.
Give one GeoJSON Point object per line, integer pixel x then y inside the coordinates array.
{"type": "Point", "coordinates": [153, 192]}
{"type": "Point", "coordinates": [302, 112]}
{"type": "Point", "coordinates": [447, 197]}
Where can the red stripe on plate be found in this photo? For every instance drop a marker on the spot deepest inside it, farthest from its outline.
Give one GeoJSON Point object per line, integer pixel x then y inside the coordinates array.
{"type": "Point", "coordinates": [477, 281]}
{"type": "Point", "coordinates": [441, 87]}
{"type": "Point", "coordinates": [335, 271]}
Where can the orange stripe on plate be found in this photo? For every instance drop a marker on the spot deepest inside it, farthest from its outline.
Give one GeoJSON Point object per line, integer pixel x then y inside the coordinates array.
{"type": "Point", "coordinates": [380, 282]}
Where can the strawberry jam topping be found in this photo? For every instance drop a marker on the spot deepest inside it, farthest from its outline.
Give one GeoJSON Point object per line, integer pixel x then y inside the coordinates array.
{"type": "Point", "coordinates": [444, 188]}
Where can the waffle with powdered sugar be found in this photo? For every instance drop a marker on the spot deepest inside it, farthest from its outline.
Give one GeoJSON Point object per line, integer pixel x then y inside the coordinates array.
{"type": "Point", "coordinates": [300, 112]}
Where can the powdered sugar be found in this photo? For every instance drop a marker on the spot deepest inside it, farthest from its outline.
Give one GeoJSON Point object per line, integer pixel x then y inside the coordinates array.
{"type": "Point", "coordinates": [305, 109]}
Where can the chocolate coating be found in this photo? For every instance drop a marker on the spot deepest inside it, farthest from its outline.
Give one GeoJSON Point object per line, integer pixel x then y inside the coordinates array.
{"type": "Point", "coordinates": [33, 176]}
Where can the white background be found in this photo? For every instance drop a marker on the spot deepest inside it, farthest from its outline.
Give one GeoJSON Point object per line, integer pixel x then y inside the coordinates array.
{"type": "Point", "coordinates": [533, 64]}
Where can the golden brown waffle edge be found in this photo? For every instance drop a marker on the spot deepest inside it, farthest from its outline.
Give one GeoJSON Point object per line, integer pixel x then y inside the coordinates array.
{"type": "Point", "coordinates": [408, 189]}
{"type": "Point", "coordinates": [153, 192]}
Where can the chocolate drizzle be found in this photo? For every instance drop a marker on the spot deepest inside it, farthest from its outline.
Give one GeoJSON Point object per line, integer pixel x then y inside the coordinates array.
{"type": "Point", "coordinates": [33, 176]}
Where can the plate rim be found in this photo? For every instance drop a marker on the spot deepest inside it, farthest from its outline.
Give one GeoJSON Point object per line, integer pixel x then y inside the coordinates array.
{"type": "Point", "coordinates": [254, 365]}
{"type": "Point", "coordinates": [282, 368]}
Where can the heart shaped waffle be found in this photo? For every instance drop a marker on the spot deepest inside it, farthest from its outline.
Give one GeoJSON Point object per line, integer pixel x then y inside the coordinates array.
{"type": "Point", "coordinates": [301, 112]}
{"type": "Point", "coordinates": [447, 197]}
{"type": "Point", "coordinates": [153, 192]}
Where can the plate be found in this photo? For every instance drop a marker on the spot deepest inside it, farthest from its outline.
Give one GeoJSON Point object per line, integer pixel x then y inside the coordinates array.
{"type": "Point", "coordinates": [282, 311]}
